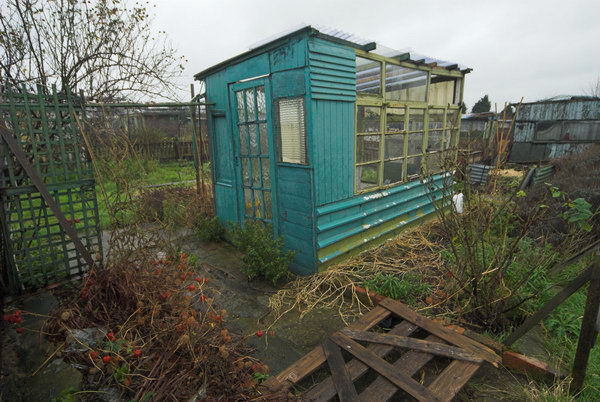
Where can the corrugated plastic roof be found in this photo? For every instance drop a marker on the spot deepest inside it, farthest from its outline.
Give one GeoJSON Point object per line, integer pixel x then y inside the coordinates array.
{"type": "Point", "coordinates": [407, 54]}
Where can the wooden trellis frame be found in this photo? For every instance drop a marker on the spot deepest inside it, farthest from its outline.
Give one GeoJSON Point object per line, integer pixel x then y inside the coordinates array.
{"type": "Point", "coordinates": [465, 356]}
{"type": "Point", "coordinates": [50, 220]}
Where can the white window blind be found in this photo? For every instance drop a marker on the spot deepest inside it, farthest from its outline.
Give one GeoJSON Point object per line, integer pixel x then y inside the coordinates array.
{"type": "Point", "coordinates": [292, 132]}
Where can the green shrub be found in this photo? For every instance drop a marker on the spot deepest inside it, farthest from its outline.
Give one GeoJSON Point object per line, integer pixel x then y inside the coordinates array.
{"type": "Point", "coordinates": [264, 255]}
{"type": "Point", "coordinates": [407, 288]}
{"type": "Point", "coordinates": [209, 228]}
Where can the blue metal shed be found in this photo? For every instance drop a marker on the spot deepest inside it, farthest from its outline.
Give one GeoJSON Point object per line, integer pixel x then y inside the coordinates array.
{"type": "Point", "coordinates": [329, 137]}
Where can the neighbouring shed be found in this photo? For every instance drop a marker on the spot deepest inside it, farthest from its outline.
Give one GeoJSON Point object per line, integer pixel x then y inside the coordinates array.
{"type": "Point", "coordinates": [555, 127]}
{"type": "Point", "coordinates": [329, 137]}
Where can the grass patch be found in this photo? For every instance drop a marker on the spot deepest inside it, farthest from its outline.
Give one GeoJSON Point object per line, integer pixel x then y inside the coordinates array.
{"type": "Point", "coordinates": [152, 173]}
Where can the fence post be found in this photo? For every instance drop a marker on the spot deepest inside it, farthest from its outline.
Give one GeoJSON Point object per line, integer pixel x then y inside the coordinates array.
{"type": "Point", "coordinates": [589, 330]}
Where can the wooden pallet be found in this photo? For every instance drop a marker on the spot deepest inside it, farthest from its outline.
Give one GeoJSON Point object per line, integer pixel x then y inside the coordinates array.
{"type": "Point", "coordinates": [368, 348]}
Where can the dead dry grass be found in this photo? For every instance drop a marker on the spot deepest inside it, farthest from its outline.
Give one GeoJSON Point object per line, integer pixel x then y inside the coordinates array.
{"type": "Point", "coordinates": [414, 251]}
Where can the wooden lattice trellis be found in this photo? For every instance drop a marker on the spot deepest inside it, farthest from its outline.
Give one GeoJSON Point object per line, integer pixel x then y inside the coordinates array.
{"type": "Point", "coordinates": [38, 249]}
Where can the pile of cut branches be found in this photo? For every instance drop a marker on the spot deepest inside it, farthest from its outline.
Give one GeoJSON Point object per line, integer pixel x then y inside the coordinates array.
{"type": "Point", "coordinates": [162, 338]}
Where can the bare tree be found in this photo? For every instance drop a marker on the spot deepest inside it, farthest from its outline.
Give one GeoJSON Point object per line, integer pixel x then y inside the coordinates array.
{"type": "Point", "coordinates": [594, 88]}
{"type": "Point", "coordinates": [105, 47]}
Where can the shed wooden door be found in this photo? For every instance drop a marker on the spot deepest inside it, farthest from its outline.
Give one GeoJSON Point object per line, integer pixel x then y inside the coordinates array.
{"type": "Point", "coordinates": [254, 150]}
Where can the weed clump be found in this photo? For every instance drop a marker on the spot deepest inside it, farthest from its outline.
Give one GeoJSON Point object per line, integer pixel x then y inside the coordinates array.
{"type": "Point", "coordinates": [264, 255]}
{"type": "Point", "coordinates": [407, 288]}
{"type": "Point", "coordinates": [209, 228]}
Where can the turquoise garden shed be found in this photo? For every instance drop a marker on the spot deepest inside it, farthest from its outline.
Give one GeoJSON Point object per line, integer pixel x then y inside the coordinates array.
{"type": "Point", "coordinates": [329, 137]}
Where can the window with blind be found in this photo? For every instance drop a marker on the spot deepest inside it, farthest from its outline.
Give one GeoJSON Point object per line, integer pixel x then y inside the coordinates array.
{"type": "Point", "coordinates": [292, 131]}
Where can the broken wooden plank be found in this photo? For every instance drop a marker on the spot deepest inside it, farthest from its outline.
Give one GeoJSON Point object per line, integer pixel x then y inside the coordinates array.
{"type": "Point", "coordinates": [325, 389]}
{"type": "Point", "coordinates": [409, 363]}
{"type": "Point", "coordinates": [452, 379]}
{"type": "Point", "coordinates": [441, 332]}
{"type": "Point", "coordinates": [339, 374]}
{"type": "Point", "coordinates": [434, 348]}
{"type": "Point", "coordinates": [384, 368]}
{"type": "Point", "coordinates": [312, 360]}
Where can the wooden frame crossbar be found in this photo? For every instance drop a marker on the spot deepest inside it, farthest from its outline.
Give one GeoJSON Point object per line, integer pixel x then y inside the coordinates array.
{"type": "Point", "coordinates": [375, 352]}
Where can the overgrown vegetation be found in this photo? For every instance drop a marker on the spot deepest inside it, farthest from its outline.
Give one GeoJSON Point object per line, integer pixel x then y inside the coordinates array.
{"type": "Point", "coordinates": [407, 288]}
{"type": "Point", "coordinates": [209, 228]}
{"type": "Point", "coordinates": [263, 255]}
{"type": "Point", "coordinates": [161, 336]}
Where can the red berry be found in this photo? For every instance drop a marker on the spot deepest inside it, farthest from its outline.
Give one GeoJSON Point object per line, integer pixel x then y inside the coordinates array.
{"type": "Point", "coordinates": [205, 280]}
{"type": "Point", "coordinates": [182, 277]}
{"type": "Point", "coordinates": [191, 288]}
{"type": "Point", "coordinates": [20, 330]}
{"type": "Point", "coordinates": [199, 280]}
{"type": "Point", "coordinates": [77, 220]}
{"type": "Point", "coordinates": [94, 354]}
{"type": "Point", "coordinates": [111, 336]}
{"type": "Point", "coordinates": [17, 319]}
{"type": "Point", "coordinates": [17, 313]}
{"type": "Point", "coordinates": [106, 359]}
{"type": "Point", "coordinates": [259, 333]}
{"type": "Point", "coordinates": [137, 352]}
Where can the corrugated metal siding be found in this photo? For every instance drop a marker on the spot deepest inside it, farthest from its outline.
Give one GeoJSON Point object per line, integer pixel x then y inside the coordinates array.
{"type": "Point", "coordinates": [350, 224]}
{"type": "Point", "coordinates": [332, 71]}
{"type": "Point", "coordinates": [560, 110]}
{"type": "Point", "coordinates": [523, 132]}
{"type": "Point", "coordinates": [333, 149]}
{"type": "Point", "coordinates": [526, 148]}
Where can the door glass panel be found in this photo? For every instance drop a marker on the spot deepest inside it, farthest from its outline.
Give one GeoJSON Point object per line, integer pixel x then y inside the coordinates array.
{"type": "Point", "coordinates": [250, 105]}
{"type": "Point", "coordinates": [258, 204]}
{"type": "Point", "coordinates": [248, 210]}
{"type": "Point", "coordinates": [264, 139]}
{"type": "Point", "coordinates": [240, 106]}
{"type": "Point", "coordinates": [394, 145]}
{"type": "Point", "coordinates": [265, 172]}
{"type": "Point", "coordinates": [261, 103]}
{"type": "Point", "coordinates": [392, 171]}
{"type": "Point", "coordinates": [367, 148]}
{"type": "Point", "coordinates": [245, 172]}
{"type": "Point", "coordinates": [253, 139]}
{"type": "Point", "coordinates": [367, 176]}
{"type": "Point", "coordinates": [243, 140]}
{"type": "Point", "coordinates": [367, 119]}
{"type": "Point", "coordinates": [255, 173]}
{"type": "Point", "coordinates": [267, 198]}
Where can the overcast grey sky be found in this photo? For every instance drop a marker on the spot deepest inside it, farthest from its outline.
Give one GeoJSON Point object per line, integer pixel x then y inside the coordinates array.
{"type": "Point", "coordinates": [530, 48]}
